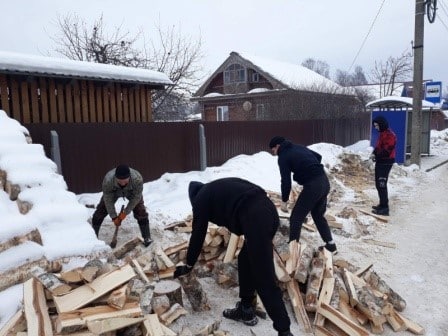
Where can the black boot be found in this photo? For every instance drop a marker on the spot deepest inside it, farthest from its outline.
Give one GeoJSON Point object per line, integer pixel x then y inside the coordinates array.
{"type": "Point", "coordinates": [285, 333]}
{"type": "Point", "coordinates": [383, 211]}
{"type": "Point", "coordinates": [241, 314]}
{"type": "Point", "coordinates": [376, 207]}
{"type": "Point", "coordinates": [144, 229]}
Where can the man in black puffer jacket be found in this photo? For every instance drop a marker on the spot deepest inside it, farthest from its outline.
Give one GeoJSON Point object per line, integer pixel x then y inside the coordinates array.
{"type": "Point", "coordinates": [244, 209]}
{"type": "Point", "coordinates": [307, 171]}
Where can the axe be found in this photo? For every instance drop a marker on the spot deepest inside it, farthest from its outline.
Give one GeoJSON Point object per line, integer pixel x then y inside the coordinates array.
{"type": "Point", "coordinates": [113, 243]}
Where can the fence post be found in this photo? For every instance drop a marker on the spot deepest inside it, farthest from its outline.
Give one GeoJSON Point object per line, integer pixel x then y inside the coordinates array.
{"type": "Point", "coordinates": [202, 148]}
{"type": "Point", "coordinates": [55, 150]}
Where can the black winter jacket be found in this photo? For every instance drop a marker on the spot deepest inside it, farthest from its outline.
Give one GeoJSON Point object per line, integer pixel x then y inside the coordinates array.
{"type": "Point", "coordinates": [219, 202]}
{"type": "Point", "coordinates": [299, 160]}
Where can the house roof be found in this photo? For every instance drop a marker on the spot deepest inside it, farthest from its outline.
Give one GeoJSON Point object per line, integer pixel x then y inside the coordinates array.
{"type": "Point", "coordinates": [282, 75]}
{"type": "Point", "coordinates": [397, 103]}
{"type": "Point", "coordinates": [58, 67]}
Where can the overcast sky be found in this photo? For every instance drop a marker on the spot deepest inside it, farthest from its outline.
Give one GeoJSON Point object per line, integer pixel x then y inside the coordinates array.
{"type": "Point", "coordinates": [285, 30]}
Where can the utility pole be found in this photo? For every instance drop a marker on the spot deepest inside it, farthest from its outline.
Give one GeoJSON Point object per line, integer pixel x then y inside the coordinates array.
{"type": "Point", "coordinates": [417, 116]}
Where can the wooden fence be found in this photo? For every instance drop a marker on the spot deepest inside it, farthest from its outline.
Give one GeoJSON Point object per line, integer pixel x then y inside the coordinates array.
{"type": "Point", "coordinates": [35, 100]}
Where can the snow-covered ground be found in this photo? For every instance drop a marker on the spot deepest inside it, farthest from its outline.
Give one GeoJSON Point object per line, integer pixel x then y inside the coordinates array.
{"type": "Point", "coordinates": [415, 268]}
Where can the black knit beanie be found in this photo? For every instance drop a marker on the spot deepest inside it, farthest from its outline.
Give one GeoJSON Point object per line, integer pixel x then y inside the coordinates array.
{"type": "Point", "coordinates": [122, 172]}
{"type": "Point", "coordinates": [277, 140]}
{"type": "Point", "coordinates": [193, 189]}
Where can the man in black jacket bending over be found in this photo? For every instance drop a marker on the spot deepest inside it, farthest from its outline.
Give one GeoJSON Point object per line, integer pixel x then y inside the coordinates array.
{"type": "Point", "coordinates": [307, 171]}
{"type": "Point", "coordinates": [244, 209]}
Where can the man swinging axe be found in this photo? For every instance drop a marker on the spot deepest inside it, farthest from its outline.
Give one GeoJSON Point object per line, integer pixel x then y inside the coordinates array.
{"type": "Point", "coordinates": [125, 182]}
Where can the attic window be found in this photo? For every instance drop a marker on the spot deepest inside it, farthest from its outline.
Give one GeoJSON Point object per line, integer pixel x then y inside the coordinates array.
{"type": "Point", "coordinates": [234, 73]}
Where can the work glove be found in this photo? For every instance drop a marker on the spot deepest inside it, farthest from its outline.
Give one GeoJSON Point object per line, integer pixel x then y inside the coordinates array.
{"type": "Point", "coordinates": [117, 221]}
{"type": "Point", "coordinates": [284, 207]}
{"type": "Point", "coordinates": [122, 216]}
{"type": "Point", "coordinates": [182, 270]}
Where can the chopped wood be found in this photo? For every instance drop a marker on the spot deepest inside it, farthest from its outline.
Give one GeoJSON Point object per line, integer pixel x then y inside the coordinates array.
{"type": "Point", "coordinates": [371, 305]}
{"type": "Point", "coordinates": [374, 280]}
{"type": "Point", "coordinates": [395, 320]}
{"type": "Point", "coordinates": [172, 314]}
{"type": "Point", "coordinates": [160, 304]}
{"type": "Point", "coordinates": [77, 319]}
{"type": "Point", "coordinates": [341, 321]}
{"type": "Point", "coordinates": [298, 305]}
{"type": "Point", "coordinates": [209, 329]}
{"type": "Point", "coordinates": [194, 292]}
{"type": "Point", "coordinates": [335, 224]}
{"type": "Point", "coordinates": [306, 255]}
{"type": "Point", "coordinates": [324, 297]}
{"type": "Point", "coordinates": [171, 289]}
{"type": "Point", "coordinates": [294, 255]}
{"type": "Point", "coordinates": [120, 251]}
{"type": "Point", "coordinates": [411, 326]}
{"type": "Point", "coordinates": [139, 271]}
{"type": "Point", "coordinates": [351, 313]}
{"type": "Point", "coordinates": [15, 324]}
{"type": "Point", "coordinates": [350, 287]}
{"type": "Point", "coordinates": [226, 275]}
{"type": "Point", "coordinates": [152, 325]}
{"type": "Point", "coordinates": [33, 235]}
{"type": "Point", "coordinates": [280, 269]}
{"type": "Point", "coordinates": [72, 276]}
{"type": "Point", "coordinates": [83, 295]}
{"type": "Point", "coordinates": [362, 270]}
{"type": "Point", "coordinates": [50, 281]}
{"type": "Point", "coordinates": [93, 269]}
{"type": "Point", "coordinates": [164, 258]}
{"type": "Point", "coordinates": [118, 297]}
{"type": "Point", "coordinates": [379, 243]}
{"type": "Point", "coordinates": [176, 248]}
{"type": "Point", "coordinates": [36, 310]}
{"type": "Point", "coordinates": [380, 218]}
{"type": "Point", "coordinates": [102, 326]}
{"type": "Point", "coordinates": [22, 273]}
{"type": "Point", "coordinates": [231, 248]}
{"type": "Point", "coordinates": [183, 229]}
{"type": "Point", "coordinates": [174, 224]}
{"type": "Point", "coordinates": [314, 282]}
{"type": "Point", "coordinates": [146, 299]}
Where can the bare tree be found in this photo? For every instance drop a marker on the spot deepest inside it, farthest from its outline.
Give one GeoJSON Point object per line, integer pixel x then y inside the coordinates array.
{"type": "Point", "coordinates": [388, 74]}
{"type": "Point", "coordinates": [170, 52]}
{"type": "Point", "coordinates": [321, 67]}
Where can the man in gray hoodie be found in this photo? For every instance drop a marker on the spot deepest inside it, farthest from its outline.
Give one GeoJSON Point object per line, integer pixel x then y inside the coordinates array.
{"type": "Point", "coordinates": [125, 182]}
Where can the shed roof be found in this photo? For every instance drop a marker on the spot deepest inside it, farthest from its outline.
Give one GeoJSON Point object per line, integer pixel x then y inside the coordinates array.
{"type": "Point", "coordinates": [57, 67]}
{"type": "Point", "coordinates": [397, 102]}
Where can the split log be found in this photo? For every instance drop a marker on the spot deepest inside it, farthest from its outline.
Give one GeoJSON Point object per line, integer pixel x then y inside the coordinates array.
{"type": "Point", "coordinates": [83, 295]}
{"type": "Point", "coordinates": [298, 305]}
{"type": "Point", "coordinates": [324, 297]}
{"type": "Point", "coordinates": [341, 321]}
{"type": "Point", "coordinates": [395, 320]}
{"type": "Point", "coordinates": [380, 218]}
{"type": "Point", "coordinates": [118, 297]}
{"type": "Point", "coordinates": [209, 329]}
{"type": "Point", "coordinates": [314, 283]}
{"type": "Point", "coordinates": [139, 271]}
{"type": "Point", "coordinates": [306, 255]}
{"type": "Point", "coordinates": [411, 326]}
{"type": "Point", "coordinates": [93, 269]}
{"type": "Point", "coordinates": [50, 281]}
{"type": "Point", "coordinates": [173, 314]}
{"type": "Point", "coordinates": [371, 305]}
{"type": "Point", "coordinates": [377, 283]}
{"type": "Point", "coordinates": [72, 276]}
{"type": "Point", "coordinates": [121, 250]}
{"type": "Point", "coordinates": [99, 327]}
{"type": "Point", "coordinates": [33, 235]}
{"type": "Point", "coordinates": [152, 325]}
{"type": "Point", "coordinates": [176, 248]}
{"type": "Point", "coordinates": [171, 289]}
{"type": "Point", "coordinates": [351, 290]}
{"type": "Point", "coordinates": [22, 273]}
{"type": "Point", "coordinates": [280, 269]}
{"type": "Point", "coordinates": [226, 275]}
{"type": "Point", "coordinates": [145, 300]}
{"type": "Point", "coordinates": [160, 304]}
{"type": "Point", "coordinates": [351, 313]}
{"type": "Point", "coordinates": [36, 309]}
{"type": "Point", "coordinates": [231, 248]}
{"type": "Point", "coordinates": [194, 292]}
{"type": "Point", "coordinates": [15, 324]}
{"type": "Point", "coordinates": [77, 319]}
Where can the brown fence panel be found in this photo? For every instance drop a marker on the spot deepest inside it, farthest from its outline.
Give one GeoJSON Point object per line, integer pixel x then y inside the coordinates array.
{"type": "Point", "coordinates": [4, 99]}
{"type": "Point", "coordinates": [89, 150]}
{"type": "Point", "coordinates": [25, 102]}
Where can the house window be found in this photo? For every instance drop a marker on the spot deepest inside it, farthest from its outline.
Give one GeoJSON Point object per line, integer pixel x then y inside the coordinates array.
{"type": "Point", "coordinates": [255, 77]}
{"type": "Point", "coordinates": [234, 73]}
{"type": "Point", "coordinates": [261, 112]}
{"type": "Point", "coordinates": [222, 113]}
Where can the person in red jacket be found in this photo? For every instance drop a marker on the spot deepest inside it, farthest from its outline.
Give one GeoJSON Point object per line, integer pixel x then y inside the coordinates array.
{"type": "Point", "coordinates": [384, 157]}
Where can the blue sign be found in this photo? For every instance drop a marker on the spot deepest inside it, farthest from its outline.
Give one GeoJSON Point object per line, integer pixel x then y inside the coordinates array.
{"type": "Point", "coordinates": [433, 92]}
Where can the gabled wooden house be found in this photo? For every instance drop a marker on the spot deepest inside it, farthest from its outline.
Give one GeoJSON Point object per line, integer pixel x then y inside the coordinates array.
{"type": "Point", "coordinates": [247, 87]}
{"type": "Point", "coordinates": [39, 90]}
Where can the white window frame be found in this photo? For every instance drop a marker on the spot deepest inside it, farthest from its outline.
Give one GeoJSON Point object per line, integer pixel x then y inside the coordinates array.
{"type": "Point", "coordinates": [222, 113]}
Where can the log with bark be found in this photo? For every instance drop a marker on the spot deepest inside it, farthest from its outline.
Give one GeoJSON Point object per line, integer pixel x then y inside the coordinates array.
{"type": "Point", "coordinates": [171, 289]}
{"type": "Point", "coordinates": [194, 292]}
{"type": "Point", "coordinates": [121, 250]}
{"type": "Point", "coordinates": [377, 283]}
{"type": "Point", "coordinates": [33, 235]}
{"type": "Point", "coordinates": [50, 281]}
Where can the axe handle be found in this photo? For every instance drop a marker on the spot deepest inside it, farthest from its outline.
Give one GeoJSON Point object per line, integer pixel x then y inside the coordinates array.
{"type": "Point", "coordinates": [113, 243]}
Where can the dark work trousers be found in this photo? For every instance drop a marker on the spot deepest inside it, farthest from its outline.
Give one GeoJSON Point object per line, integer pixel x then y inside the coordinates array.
{"type": "Point", "coordinates": [259, 222]}
{"type": "Point", "coordinates": [139, 212]}
{"type": "Point", "coordinates": [382, 171]}
{"type": "Point", "coordinates": [313, 198]}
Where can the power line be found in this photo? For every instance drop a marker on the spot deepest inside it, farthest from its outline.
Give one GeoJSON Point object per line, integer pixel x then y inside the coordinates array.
{"type": "Point", "coordinates": [368, 33]}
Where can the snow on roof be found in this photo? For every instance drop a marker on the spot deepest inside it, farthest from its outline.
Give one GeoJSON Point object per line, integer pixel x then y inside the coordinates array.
{"type": "Point", "coordinates": [15, 62]}
{"type": "Point", "coordinates": [397, 102]}
{"type": "Point", "coordinates": [293, 75]}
